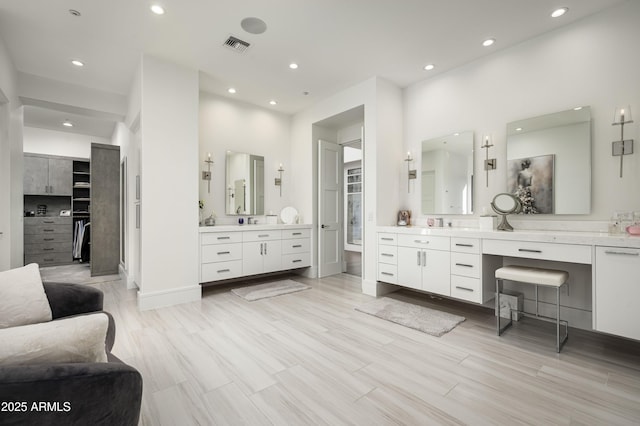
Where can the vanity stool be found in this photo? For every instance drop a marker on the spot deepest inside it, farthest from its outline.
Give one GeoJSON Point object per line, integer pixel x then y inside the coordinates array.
{"type": "Point", "coordinates": [538, 277]}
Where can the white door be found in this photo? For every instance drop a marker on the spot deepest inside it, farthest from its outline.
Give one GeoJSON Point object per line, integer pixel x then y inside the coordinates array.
{"type": "Point", "coordinates": [329, 209]}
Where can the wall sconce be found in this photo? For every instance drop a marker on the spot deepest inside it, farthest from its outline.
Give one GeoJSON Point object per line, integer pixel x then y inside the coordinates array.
{"type": "Point", "coordinates": [279, 179]}
{"type": "Point", "coordinates": [622, 147]}
{"type": "Point", "coordinates": [411, 174]}
{"type": "Point", "coordinates": [206, 175]}
{"type": "Point", "coordinates": [489, 163]}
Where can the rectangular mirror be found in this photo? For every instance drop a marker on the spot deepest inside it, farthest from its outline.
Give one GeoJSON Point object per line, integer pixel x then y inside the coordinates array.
{"type": "Point", "coordinates": [549, 162]}
{"type": "Point", "coordinates": [244, 184]}
{"type": "Point", "coordinates": [447, 174]}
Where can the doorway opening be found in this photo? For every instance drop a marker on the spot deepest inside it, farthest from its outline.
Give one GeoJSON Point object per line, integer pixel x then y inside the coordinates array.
{"type": "Point", "coordinates": [352, 190]}
{"type": "Point", "coordinates": [340, 193]}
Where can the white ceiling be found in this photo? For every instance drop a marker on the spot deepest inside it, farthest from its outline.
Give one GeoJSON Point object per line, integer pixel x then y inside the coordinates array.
{"type": "Point", "coordinates": [337, 43]}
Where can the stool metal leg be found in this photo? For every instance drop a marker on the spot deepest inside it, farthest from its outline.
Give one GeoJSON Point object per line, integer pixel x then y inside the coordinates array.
{"type": "Point", "coordinates": [536, 286]}
{"type": "Point", "coordinates": [499, 328]}
{"type": "Point", "coordinates": [558, 319]}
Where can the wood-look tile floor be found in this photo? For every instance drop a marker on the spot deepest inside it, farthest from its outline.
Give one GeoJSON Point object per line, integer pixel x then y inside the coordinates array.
{"type": "Point", "coordinates": [309, 358]}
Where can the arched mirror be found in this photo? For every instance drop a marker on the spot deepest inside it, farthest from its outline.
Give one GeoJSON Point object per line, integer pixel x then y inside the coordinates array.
{"type": "Point", "coordinates": [505, 204]}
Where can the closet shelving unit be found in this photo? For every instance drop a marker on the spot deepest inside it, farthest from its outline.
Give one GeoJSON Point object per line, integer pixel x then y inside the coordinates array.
{"type": "Point", "coordinates": [81, 198]}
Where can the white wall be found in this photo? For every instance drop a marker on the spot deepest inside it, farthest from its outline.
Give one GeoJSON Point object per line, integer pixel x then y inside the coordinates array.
{"type": "Point", "coordinates": [229, 125]}
{"type": "Point", "coordinates": [169, 177]}
{"type": "Point", "coordinates": [53, 142]}
{"type": "Point", "coordinates": [591, 62]}
{"type": "Point", "coordinates": [11, 118]}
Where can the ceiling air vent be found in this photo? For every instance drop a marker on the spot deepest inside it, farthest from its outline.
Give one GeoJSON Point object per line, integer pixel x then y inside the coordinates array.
{"type": "Point", "coordinates": [236, 44]}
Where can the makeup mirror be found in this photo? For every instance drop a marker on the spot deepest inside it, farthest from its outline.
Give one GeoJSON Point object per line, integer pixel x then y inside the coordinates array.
{"type": "Point", "coordinates": [505, 204]}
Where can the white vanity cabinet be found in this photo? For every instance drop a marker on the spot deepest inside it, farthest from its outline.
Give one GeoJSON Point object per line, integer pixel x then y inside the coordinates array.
{"type": "Point", "coordinates": [233, 251]}
{"type": "Point", "coordinates": [617, 291]}
{"type": "Point", "coordinates": [220, 256]}
{"type": "Point", "coordinates": [423, 263]}
{"type": "Point", "coordinates": [388, 258]}
{"type": "Point", "coordinates": [466, 269]}
{"type": "Point", "coordinates": [261, 252]}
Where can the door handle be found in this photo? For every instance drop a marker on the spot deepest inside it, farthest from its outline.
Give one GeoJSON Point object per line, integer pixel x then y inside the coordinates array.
{"type": "Point", "coordinates": [418, 253]}
{"type": "Point", "coordinates": [261, 249]}
{"type": "Point", "coordinates": [324, 226]}
{"type": "Point", "coordinates": [424, 258]}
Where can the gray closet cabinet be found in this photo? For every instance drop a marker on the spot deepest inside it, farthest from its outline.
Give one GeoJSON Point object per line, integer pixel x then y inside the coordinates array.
{"type": "Point", "coordinates": [105, 209]}
{"type": "Point", "coordinates": [47, 175]}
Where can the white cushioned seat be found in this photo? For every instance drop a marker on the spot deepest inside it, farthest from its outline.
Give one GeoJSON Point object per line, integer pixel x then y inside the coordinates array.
{"type": "Point", "coordinates": [527, 274]}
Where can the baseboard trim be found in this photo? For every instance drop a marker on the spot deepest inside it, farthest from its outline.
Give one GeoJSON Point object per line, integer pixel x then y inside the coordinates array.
{"type": "Point", "coordinates": [162, 299]}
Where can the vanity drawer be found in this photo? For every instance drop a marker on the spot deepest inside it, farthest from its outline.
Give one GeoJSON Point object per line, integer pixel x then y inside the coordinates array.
{"type": "Point", "coordinates": [388, 254]}
{"type": "Point", "coordinates": [465, 264]}
{"type": "Point", "coordinates": [296, 233]}
{"type": "Point", "coordinates": [266, 235]}
{"type": "Point", "coordinates": [220, 237]}
{"type": "Point", "coordinates": [296, 260]}
{"type": "Point", "coordinates": [573, 253]}
{"type": "Point", "coordinates": [221, 252]}
{"type": "Point", "coordinates": [465, 245]}
{"type": "Point", "coordinates": [388, 273]}
{"type": "Point", "coordinates": [387, 239]}
{"type": "Point", "coordinates": [301, 245]}
{"type": "Point", "coordinates": [466, 288]}
{"type": "Point", "coordinates": [220, 270]}
{"type": "Point", "coordinates": [425, 241]}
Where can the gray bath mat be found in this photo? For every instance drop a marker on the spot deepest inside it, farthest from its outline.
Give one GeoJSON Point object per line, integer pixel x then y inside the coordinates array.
{"type": "Point", "coordinates": [418, 317]}
{"type": "Point", "coordinates": [262, 291]}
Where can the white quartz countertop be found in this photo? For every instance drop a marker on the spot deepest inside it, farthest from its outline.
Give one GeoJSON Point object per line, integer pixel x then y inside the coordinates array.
{"type": "Point", "coordinates": [561, 237]}
{"type": "Point", "coordinates": [258, 227]}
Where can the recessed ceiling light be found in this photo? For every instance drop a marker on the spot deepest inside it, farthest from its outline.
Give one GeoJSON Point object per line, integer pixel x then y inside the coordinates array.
{"type": "Point", "coordinates": [519, 129]}
{"type": "Point", "coordinates": [577, 108]}
{"type": "Point", "coordinates": [429, 67]}
{"type": "Point", "coordinates": [77, 63]}
{"type": "Point", "coordinates": [293, 66]}
{"type": "Point", "coordinates": [67, 123]}
{"type": "Point", "coordinates": [488, 42]}
{"type": "Point", "coordinates": [559, 12]}
{"type": "Point", "coordinates": [157, 9]}
{"type": "Point", "coordinates": [456, 134]}
{"type": "Point", "coordinates": [231, 90]}
{"type": "Point", "coordinates": [273, 103]}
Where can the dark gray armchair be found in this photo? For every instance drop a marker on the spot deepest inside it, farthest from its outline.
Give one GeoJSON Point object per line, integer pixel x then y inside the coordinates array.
{"type": "Point", "coordinates": [78, 393]}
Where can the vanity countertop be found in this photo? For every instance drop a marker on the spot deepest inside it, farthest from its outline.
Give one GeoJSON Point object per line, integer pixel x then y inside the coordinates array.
{"type": "Point", "coordinates": [561, 237]}
{"type": "Point", "coordinates": [258, 227]}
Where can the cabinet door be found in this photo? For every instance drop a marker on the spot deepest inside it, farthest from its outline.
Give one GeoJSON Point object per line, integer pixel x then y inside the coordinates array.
{"type": "Point", "coordinates": [36, 175]}
{"type": "Point", "coordinates": [617, 291]}
{"type": "Point", "coordinates": [436, 276]}
{"type": "Point", "coordinates": [410, 267]}
{"type": "Point", "coordinates": [60, 176]}
{"type": "Point", "coordinates": [252, 258]}
{"type": "Point", "coordinates": [272, 256]}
